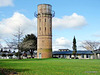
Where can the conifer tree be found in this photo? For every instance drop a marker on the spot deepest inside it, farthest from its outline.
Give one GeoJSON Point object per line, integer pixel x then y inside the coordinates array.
{"type": "Point", "coordinates": [74, 47]}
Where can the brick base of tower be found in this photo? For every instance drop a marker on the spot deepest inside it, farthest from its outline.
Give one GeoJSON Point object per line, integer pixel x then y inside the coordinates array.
{"type": "Point", "coordinates": [44, 47]}
{"type": "Point", "coordinates": [45, 53]}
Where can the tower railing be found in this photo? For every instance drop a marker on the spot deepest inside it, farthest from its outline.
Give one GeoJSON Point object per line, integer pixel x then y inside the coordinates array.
{"type": "Point", "coordinates": [37, 14]}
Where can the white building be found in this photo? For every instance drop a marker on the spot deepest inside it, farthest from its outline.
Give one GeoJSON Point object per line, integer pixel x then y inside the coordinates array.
{"type": "Point", "coordinates": [79, 54]}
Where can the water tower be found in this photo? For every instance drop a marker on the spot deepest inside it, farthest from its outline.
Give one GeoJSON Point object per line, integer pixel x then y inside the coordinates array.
{"type": "Point", "coordinates": [44, 30]}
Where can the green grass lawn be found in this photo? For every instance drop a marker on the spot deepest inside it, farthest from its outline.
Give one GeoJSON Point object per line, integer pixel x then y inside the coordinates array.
{"type": "Point", "coordinates": [52, 66]}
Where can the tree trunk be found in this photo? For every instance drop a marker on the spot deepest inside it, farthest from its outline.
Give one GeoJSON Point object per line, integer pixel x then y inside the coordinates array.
{"type": "Point", "coordinates": [74, 56]}
{"type": "Point", "coordinates": [19, 55]}
{"type": "Point", "coordinates": [19, 52]}
{"type": "Point", "coordinates": [95, 56]}
{"type": "Point", "coordinates": [31, 52]}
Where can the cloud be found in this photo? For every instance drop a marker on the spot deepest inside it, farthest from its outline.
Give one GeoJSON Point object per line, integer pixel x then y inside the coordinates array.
{"type": "Point", "coordinates": [10, 25]}
{"type": "Point", "coordinates": [96, 35]}
{"type": "Point", "coordinates": [6, 3]}
{"type": "Point", "coordinates": [73, 21]}
{"type": "Point", "coordinates": [64, 43]}
{"type": "Point", "coordinates": [61, 43]}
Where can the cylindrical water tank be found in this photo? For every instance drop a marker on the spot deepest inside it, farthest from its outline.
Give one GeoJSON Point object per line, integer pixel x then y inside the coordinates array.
{"type": "Point", "coordinates": [44, 8]}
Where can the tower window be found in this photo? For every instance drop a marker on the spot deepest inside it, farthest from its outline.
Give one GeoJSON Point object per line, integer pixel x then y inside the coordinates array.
{"type": "Point", "coordinates": [50, 20]}
{"type": "Point", "coordinates": [40, 28]}
{"type": "Point", "coordinates": [45, 28]}
{"type": "Point", "coordinates": [40, 20]}
{"type": "Point", "coordinates": [42, 41]}
{"type": "Point", "coordinates": [45, 19]}
{"type": "Point", "coordinates": [50, 29]}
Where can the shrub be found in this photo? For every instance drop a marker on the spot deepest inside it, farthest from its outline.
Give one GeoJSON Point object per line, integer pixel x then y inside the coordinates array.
{"type": "Point", "coordinates": [10, 54]}
{"type": "Point", "coordinates": [3, 55]}
{"type": "Point", "coordinates": [72, 57]}
{"type": "Point", "coordinates": [16, 54]}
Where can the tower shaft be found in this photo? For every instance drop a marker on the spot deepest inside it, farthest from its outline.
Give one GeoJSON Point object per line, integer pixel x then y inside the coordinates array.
{"type": "Point", "coordinates": [44, 31]}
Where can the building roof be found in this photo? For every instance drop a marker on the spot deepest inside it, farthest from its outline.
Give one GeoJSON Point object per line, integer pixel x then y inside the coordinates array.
{"type": "Point", "coordinates": [64, 50]}
{"type": "Point", "coordinates": [97, 51]}
{"type": "Point", "coordinates": [71, 52]}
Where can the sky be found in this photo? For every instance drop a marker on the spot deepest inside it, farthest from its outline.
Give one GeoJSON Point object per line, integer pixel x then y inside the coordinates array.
{"type": "Point", "coordinates": [79, 18]}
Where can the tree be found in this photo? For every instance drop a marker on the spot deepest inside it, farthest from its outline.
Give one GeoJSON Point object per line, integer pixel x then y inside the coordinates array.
{"type": "Point", "coordinates": [91, 45]}
{"type": "Point", "coordinates": [1, 50]}
{"type": "Point", "coordinates": [11, 44]}
{"type": "Point", "coordinates": [74, 47]}
{"type": "Point", "coordinates": [16, 41]}
{"type": "Point", "coordinates": [29, 43]}
{"type": "Point", "coordinates": [3, 55]}
{"type": "Point", "coordinates": [1, 45]}
{"type": "Point", "coordinates": [9, 51]}
{"type": "Point", "coordinates": [18, 54]}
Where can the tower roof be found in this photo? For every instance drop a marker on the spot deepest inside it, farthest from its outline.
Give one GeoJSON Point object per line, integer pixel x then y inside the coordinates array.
{"type": "Point", "coordinates": [44, 4]}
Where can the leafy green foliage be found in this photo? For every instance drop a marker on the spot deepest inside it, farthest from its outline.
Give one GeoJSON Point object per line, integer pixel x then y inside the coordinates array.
{"type": "Point", "coordinates": [29, 42]}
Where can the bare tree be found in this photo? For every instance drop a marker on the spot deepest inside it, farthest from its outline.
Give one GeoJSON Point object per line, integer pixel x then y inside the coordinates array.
{"type": "Point", "coordinates": [11, 44]}
{"type": "Point", "coordinates": [18, 39]}
{"type": "Point", "coordinates": [91, 45]}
